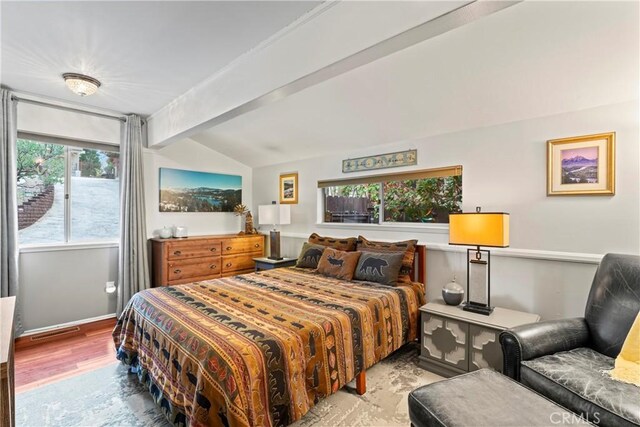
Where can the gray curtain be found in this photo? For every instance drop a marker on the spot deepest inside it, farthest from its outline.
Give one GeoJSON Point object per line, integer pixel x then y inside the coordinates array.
{"type": "Point", "coordinates": [8, 202]}
{"type": "Point", "coordinates": [133, 267]}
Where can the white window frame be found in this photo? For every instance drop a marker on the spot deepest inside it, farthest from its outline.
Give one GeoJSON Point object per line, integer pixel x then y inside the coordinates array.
{"type": "Point", "coordinates": [382, 224]}
{"type": "Point", "coordinates": [68, 143]}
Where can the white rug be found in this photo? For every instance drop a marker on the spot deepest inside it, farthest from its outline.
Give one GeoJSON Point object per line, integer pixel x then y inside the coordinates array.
{"type": "Point", "coordinates": [111, 397]}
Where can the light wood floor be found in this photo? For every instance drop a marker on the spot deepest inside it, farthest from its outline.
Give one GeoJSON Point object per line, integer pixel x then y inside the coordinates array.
{"type": "Point", "coordinates": [63, 358]}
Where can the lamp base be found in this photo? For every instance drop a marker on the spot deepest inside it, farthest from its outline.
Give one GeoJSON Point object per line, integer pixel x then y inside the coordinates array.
{"type": "Point", "coordinates": [274, 240]}
{"type": "Point", "coordinates": [478, 308]}
{"type": "Point", "coordinates": [275, 258]}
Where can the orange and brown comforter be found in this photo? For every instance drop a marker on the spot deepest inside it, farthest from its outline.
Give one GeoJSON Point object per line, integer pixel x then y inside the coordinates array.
{"type": "Point", "coordinates": [260, 349]}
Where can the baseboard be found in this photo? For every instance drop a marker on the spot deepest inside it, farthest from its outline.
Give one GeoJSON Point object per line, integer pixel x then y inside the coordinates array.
{"type": "Point", "coordinates": [66, 330]}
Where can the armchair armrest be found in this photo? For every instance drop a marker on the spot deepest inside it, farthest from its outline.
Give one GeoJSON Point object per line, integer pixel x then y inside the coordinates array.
{"type": "Point", "coordinates": [534, 340]}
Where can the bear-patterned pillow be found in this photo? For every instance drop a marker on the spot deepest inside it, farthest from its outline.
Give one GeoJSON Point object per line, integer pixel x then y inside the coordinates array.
{"type": "Point", "coordinates": [407, 247]}
{"type": "Point", "coordinates": [309, 255]}
{"type": "Point", "coordinates": [379, 267]}
{"type": "Point", "coordinates": [338, 264]}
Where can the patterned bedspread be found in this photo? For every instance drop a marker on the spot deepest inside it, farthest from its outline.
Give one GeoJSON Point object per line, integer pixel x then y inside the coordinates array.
{"type": "Point", "coordinates": [260, 349]}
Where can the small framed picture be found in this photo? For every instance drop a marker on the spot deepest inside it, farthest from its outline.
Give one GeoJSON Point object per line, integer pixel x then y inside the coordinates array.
{"type": "Point", "coordinates": [289, 188]}
{"type": "Point", "coordinates": [582, 165]}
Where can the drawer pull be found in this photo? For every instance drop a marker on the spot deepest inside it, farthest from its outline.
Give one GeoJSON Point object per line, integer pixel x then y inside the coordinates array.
{"type": "Point", "coordinates": [229, 248]}
{"type": "Point", "coordinates": [257, 245]}
{"type": "Point", "coordinates": [177, 271]}
{"type": "Point", "coordinates": [213, 249]}
{"type": "Point", "coordinates": [177, 252]}
{"type": "Point", "coordinates": [229, 264]}
{"type": "Point", "coordinates": [212, 266]}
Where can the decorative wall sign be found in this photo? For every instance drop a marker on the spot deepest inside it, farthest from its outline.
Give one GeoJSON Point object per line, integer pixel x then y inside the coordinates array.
{"type": "Point", "coordinates": [582, 165]}
{"type": "Point", "coordinates": [381, 161]}
{"type": "Point", "coordinates": [289, 188]}
{"type": "Point", "coordinates": [191, 191]}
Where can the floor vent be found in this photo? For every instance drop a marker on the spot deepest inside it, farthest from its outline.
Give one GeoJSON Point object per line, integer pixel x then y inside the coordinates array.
{"type": "Point", "coordinates": [55, 333]}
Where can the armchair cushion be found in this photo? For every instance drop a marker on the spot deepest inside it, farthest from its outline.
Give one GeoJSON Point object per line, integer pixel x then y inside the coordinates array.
{"type": "Point", "coordinates": [575, 379]}
{"type": "Point", "coordinates": [527, 342]}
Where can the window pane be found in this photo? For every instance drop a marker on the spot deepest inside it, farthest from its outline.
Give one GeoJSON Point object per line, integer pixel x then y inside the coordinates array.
{"type": "Point", "coordinates": [422, 200]}
{"type": "Point", "coordinates": [94, 194]}
{"type": "Point", "coordinates": [352, 203]}
{"type": "Point", "coordinates": [40, 175]}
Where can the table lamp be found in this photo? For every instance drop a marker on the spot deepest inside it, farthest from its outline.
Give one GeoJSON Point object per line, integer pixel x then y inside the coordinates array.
{"type": "Point", "coordinates": [274, 215]}
{"type": "Point", "coordinates": [490, 229]}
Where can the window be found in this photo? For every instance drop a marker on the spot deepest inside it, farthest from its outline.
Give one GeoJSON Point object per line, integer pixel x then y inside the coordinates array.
{"type": "Point", "coordinates": [426, 196]}
{"type": "Point", "coordinates": [67, 191]}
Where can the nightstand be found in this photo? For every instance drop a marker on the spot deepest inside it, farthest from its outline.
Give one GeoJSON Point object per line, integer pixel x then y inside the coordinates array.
{"type": "Point", "coordinates": [455, 341]}
{"type": "Point", "coordinates": [269, 264]}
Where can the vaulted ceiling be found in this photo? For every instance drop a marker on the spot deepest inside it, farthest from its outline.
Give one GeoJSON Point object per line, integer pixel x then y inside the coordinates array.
{"type": "Point", "coordinates": [530, 60]}
{"type": "Point", "coordinates": [266, 82]}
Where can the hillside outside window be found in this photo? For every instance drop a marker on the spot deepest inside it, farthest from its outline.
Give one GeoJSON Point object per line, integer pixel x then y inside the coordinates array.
{"type": "Point", "coordinates": [68, 191]}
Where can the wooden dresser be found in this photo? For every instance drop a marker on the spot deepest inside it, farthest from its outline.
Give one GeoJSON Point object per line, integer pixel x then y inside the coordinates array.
{"type": "Point", "coordinates": [189, 259]}
{"type": "Point", "coordinates": [7, 382]}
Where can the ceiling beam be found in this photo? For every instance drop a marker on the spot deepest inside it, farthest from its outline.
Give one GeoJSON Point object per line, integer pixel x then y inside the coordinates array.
{"type": "Point", "coordinates": [194, 112]}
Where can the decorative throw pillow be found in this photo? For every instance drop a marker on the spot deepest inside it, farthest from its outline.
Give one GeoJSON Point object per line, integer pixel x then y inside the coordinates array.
{"type": "Point", "coordinates": [309, 255]}
{"type": "Point", "coordinates": [407, 248]}
{"type": "Point", "coordinates": [379, 267]}
{"type": "Point", "coordinates": [347, 244]}
{"type": "Point", "coordinates": [338, 264]}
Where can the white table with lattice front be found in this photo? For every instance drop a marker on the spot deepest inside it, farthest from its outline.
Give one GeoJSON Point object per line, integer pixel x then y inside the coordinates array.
{"type": "Point", "coordinates": [455, 341]}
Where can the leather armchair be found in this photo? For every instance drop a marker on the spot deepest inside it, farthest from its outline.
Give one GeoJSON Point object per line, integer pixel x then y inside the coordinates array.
{"type": "Point", "coordinates": [557, 357]}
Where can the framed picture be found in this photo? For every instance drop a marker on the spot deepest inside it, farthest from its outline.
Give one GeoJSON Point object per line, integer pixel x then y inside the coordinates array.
{"type": "Point", "coordinates": [582, 165]}
{"type": "Point", "coordinates": [192, 191]}
{"type": "Point", "coordinates": [289, 188]}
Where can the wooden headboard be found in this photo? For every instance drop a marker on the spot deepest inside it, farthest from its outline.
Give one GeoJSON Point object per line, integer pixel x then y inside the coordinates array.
{"type": "Point", "coordinates": [420, 264]}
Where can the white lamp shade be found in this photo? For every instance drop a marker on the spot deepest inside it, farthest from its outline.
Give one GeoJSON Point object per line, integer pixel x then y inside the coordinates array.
{"type": "Point", "coordinates": [274, 214]}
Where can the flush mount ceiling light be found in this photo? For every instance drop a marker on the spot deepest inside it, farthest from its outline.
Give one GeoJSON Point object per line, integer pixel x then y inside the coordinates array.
{"type": "Point", "coordinates": [80, 84]}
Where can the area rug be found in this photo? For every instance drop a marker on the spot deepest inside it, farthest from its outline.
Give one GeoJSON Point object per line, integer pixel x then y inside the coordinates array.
{"type": "Point", "coordinates": [111, 397]}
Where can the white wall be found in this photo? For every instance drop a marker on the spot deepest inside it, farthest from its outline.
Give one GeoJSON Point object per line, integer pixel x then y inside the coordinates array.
{"type": "Point", "coordinates": [190, 155]}
{"type": "Point", "coordinates": [61, 286]}
{"type": "Point", "coordinates": [504, 169]}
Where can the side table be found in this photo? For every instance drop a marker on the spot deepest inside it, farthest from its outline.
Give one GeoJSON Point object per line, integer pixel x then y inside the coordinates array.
{"type": "Point", "coordinates": [264, 263]}
{"type": "Point", "coordinates": [455, 341]}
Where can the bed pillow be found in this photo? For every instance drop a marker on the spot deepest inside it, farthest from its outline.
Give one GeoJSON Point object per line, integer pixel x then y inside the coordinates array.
{"type": "Point", "coordinates": [345, 244]}
{"type": "Point", "coordinates": [338, 264]}
{"type": "Point", "coordinates": [309, 255]}
{"type": "Point", "coordinates": [406, 247]}
{"type": "Point", "coordinates": [379, 267]}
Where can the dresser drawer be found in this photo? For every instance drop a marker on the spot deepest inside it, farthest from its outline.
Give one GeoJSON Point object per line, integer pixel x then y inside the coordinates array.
{"type": "Point", "coordinates": [237, 262]}
{"type": "Point", "coordinates": [177, 261]}
{"type": "Point", "coordinates": [186, 250]}
{"type": "Point", "coordinates": [193, 268]}
{"type": "Point", "coordinates": [239, 246]}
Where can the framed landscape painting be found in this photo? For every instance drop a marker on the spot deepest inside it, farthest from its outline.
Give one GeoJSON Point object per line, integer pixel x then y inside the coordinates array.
{"type": "Point", "coordinates": [192, 191]}
{"type": "Point", "coordinates": [582, 165]}
{"type": "Point", "coordinates": [289, 188]}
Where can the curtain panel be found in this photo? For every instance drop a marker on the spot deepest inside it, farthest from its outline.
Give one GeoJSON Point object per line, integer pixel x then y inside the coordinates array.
{"type": "Point", "coordinates": [9, 203]}
{"type": "Point", "coordinates": [133, 266]}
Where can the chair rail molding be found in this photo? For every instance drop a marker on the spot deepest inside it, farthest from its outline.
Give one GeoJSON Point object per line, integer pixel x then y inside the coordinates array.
{"type": "Point", "coordinates": [577, 257]}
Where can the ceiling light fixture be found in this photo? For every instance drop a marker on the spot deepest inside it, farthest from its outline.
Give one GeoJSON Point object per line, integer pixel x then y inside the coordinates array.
{"type": "Point", "coordinates": [80, 84]}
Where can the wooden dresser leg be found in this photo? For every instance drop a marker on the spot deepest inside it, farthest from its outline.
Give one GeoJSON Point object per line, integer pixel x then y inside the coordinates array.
{"type": "Point", "coordinates": [361, 383]}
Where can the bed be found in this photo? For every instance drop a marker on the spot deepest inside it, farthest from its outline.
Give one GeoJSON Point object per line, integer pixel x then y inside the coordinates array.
{"type": "Point", "coordinates": [261, 349]}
